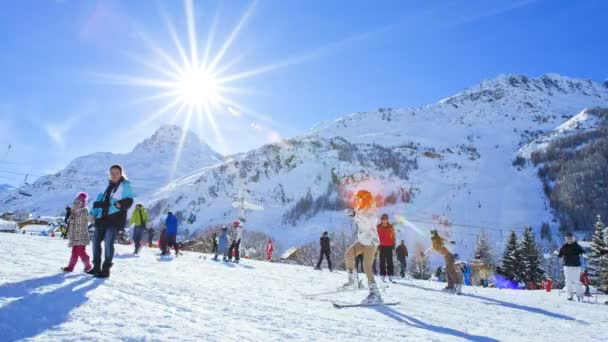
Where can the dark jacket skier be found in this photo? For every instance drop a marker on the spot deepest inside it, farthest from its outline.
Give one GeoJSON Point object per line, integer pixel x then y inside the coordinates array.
{"type": "Point", "coordinates": [325, 251]}
{"type": "Point", "coordinates": [402, 257]}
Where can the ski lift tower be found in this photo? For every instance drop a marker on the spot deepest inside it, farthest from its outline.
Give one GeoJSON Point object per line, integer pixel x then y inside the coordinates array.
{"type": "Point", "coordinates": [243, 205]}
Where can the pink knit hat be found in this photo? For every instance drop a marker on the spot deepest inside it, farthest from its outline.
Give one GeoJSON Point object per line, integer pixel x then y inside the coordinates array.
{"type": "Point", "coordinates": [82, 196]}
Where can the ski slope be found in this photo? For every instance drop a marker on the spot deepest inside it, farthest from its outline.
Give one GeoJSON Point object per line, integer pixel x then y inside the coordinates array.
{"type": "Point", "coordinates": [195, 299]}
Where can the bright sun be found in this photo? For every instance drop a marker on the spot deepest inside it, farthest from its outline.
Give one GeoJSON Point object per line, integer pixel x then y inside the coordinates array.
{"type": "Point", "coordinates": [197, 88]}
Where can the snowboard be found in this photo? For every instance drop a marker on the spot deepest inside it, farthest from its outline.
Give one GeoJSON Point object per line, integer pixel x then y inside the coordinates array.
{"type": "Point", "coordinates": [338, 305]}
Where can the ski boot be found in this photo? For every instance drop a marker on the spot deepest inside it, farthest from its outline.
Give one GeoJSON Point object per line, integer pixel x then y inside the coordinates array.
{"type": "Point", "coordinates": [374, 295]}
{"type": "Point", "coordinates": [571, 297]}
{"type": "Point", "coordinates": [384, 279]}
{"type": "Point", "coordinates": [391, 280]}
{"type": "Point", "coordinates": [93, 271]}
{"type": "Point", "coordinates": [352, 282]}
{"type": "Point", "coordinates": [458, 289]}
{"type": "Point", "coordinates": [66, 269]}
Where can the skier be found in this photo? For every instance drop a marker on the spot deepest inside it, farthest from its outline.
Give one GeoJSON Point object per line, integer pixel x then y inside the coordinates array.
{"type": "Point", "coordinates": [386, 232]}
{"type": "Point", "coordinates": [269, 250]}
{"type": "Point", "coordinates": [325, 251]}
{"type": "Point", "coordinates": [402, 256]}
{"type": "Point", "coordinates": [150, 236]}
{"type": "Point", "coordinates": [586, 282]}
{"type": "Point", "coordinates": [110, 212]}
{"type": "Point", "coordinates": [139, 219]}
{"type": "Point", "coordinates": [236, 241]}
{"type": "Point", "coordinates": [68, 212]}
{"type": "Point", "coordinates": [214, 242]}
{"type": "Point", "coordinates": [78, 233]}
{"type": "Point", "coordinates": [454, 282]}
{"type": "Point", "coordinates": [223, 243]}
{"type": "Point", "coordinates": [571, 252]}
{"type": "Point", "coordinates": [170, 234]}
{"type": "Point", "coordinates": [366, 217]}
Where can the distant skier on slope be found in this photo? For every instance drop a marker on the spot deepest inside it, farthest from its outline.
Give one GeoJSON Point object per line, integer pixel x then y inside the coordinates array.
{"type": "Point", "coordinates": [222, 245]}
{"type": "Point", "coordinates": [325, 251]}
{"type": "Point", "coordinates": [366, 217]}
{"type": "Point", "coordinates": [78, 234]}
{"type": "Point", "coordinates": [571, 251]}
{"type": "Point", "coordinates": [140, 220]}
{"type": "Point", "coordinates": [402, 257]}
{"type": "Point", "coordinates": [170, 234]}
{"type": "Point", "coordinates": [386, 232]}
{"type": "Point", "coordinates": [269, 250]}
{"type": "Point", "coordinates": [236, 241]}
{"type": "Point", "coordinates": [454, 281]}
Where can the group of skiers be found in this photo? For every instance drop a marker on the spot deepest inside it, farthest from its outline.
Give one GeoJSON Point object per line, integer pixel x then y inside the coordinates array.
{"type": "Point", "coordinates": [228, 245]}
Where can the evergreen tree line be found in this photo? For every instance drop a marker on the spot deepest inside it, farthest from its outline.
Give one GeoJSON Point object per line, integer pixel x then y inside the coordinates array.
{"type": "Point", "coordinates": [521, 261]}
{"type": "Point", "coordinates": [598, 257]}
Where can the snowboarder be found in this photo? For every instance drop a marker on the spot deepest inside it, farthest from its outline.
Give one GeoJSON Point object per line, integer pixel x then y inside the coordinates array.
{"type": "Point", "coordinates": [402, 257]}
{"type": "Point", "coordinates": [78, 233]}
{"type": "Point", "coordinates": [325, 251]}
{"type": "Point", "coordinates": [236, 241]}
{"type": "Point", "coordinates": [140, 220]}
{"type": "Point", "coordinates": [454, 281]}
{"type": "Point", "coordinates": [366, 218]}
{"type": "Point", "coordinates": [586, 282]}
{"type": "Point", "coordinates": [269, 250]}
{"type": "Point", "coordinates": [170, 234]}
{"type": "Point", "coordinates": [386, 232]}
{"type": "Point", "coordinates": [110, 212]}
{"type": "Point", "coordinates": [571, 252]}
{"type": "Point", "coordinates": [222, 245]}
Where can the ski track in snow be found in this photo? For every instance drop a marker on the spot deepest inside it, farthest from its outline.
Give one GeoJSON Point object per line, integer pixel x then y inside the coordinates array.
{"type": "Point", "coordinates": [196, 299]}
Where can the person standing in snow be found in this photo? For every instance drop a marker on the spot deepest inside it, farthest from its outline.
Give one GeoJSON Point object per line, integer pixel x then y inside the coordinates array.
{"type": "Point", "coordinates": [366, 218]}
{"type": "Point", "coordinates": [386, 232]}
{"type": "Point", "coordinates": [110, 212]}
{"type": "Point", "coordinates": [586, 282]}
{"type": "Point", "coordinates": [68, 212]}
{"type": "Point", "coordinates": [325, 251]}
{"type": "Point", "coordinates": [170, 240]}
{"type": "Point", "coordinates": [269, 250]}
{"type": "Point", "coordinates": [214, 242]}
{"type": "Point", "coordinates": [571, 251]}
{"type": "Point", "coordinates": [78, 234]}
{"type": "Point", "coordinates": [140, 220]}
{"type": "Point", "coordinates": [150, 236]}
{"type": "Point", "coordinates": [454, 281]}
{"type": "Point", "coordinates": [402, 257]}
{"type": "Point", "coordinates": [236, 241]}
{"type": "Point", "coordinates": [223, 241]}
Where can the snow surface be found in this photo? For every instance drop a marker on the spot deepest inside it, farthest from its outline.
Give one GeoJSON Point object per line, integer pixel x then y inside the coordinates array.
{"type": "Point", "coordinates": [196, 299]}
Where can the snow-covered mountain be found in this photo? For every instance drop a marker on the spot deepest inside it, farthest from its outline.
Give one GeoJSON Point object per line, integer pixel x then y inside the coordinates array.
{"type": "Point", "coordinates": [448, 165]}
{"type": "Point", "coordinates": [6, 187]}
{"type": "Point", "coordinates": [149, 166]}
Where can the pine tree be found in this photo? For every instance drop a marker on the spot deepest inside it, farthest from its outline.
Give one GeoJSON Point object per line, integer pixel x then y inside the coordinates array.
{"type": "Point", "coordinates": [484, 252]}
{"type": "Point", "coordinates": [419, 267]}
{"type": "Point", "coordinates": [511, 260]}
{"type": "Point", "coordinates": [598, 258]}
{"type": "Point", "coordinates": [530, 257]}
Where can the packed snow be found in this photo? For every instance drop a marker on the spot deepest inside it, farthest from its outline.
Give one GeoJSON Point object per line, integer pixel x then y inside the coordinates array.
{"type": "Point", "coordinates": [192, 298]}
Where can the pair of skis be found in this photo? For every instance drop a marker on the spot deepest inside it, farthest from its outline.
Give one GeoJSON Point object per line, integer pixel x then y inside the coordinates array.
{"type": "Point", "coordinates": [343, 305]}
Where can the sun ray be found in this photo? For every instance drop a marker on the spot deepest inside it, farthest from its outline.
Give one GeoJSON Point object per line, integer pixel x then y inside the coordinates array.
{"type": "Point", "coordinates": [191, 32]}
{"type": "Point", "coordinates": [216, 132]}
{"type": "Point", "coordinates": [210, 41]}
{"type": "Point", "coordinates": [175, 37]}
{"type": "Point", "coordinates": [159, 113]}
{"type": "Point", "coordinates": [218, 57]}
{"type": "Point", "coordinates": [137, 81]}
{"type": "Point", "coordinates": [161, 53]}
{"type": "Point", "coordinates": [182, 140]}
{"type": "Point", "coordinates": [157, 97]}
{"type": "Point", "coordinates": [153, 66]}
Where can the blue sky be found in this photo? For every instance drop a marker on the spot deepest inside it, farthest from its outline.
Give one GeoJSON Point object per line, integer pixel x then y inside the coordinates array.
{"type": "Point", "coordinates": [329, 58]}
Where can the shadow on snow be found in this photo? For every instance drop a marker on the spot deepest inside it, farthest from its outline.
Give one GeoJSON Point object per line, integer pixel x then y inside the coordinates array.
{"type": "Point", "coordinates": [416, 323]}
{"type": "Point", "coordinates": [492, 301]}
{"type": "Point", "coordinates": [35, 313]}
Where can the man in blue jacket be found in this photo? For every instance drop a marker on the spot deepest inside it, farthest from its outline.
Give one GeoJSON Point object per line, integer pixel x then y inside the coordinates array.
{"type": "Point", "coordinates": [170, 234]}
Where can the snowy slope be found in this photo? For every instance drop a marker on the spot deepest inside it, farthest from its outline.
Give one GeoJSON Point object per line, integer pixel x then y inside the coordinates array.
{"type": "Point", "coordinates": [453, 158]}
{"type": "Point", "coordinates": [149, 166]}
{"type": "Point", "coordinates": [194, 299]}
